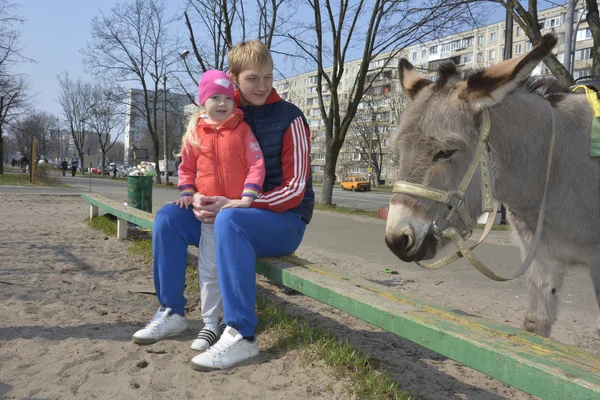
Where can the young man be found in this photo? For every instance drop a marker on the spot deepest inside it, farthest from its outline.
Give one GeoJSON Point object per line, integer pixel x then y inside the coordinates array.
{"type": "Point", "coordinates": [273, 226]}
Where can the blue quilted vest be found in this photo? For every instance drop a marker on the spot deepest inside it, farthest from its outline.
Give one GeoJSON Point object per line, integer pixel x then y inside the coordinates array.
{"type": "Point", "coordinates": [269, 123]}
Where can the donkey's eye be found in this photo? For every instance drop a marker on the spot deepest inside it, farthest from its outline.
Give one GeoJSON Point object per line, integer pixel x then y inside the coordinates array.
{"type": "Point", "coordinates": [442, 155]}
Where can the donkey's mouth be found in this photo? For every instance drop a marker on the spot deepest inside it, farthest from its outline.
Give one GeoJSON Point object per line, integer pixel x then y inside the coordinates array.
{"type": "Point", "coordinates": [407, 250]}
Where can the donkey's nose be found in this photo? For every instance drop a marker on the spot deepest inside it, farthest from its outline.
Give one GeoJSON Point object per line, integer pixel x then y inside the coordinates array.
{"type": "Point", "coordinates": [402, 243]}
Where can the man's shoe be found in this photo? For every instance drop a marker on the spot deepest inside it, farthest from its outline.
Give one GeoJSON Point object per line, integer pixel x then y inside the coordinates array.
{"type": "Point", "coordinates": [231, 349]}
{"type": "Point", "coordinates": [162, 325]}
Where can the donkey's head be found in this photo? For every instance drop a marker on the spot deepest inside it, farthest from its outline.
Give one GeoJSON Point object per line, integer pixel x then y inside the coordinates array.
{"type": "Point", "coordinates": [436, 141]}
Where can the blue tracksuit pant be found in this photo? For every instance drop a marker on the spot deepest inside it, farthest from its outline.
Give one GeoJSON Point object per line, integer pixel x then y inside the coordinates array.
{"type": "Point", "coordinates": [241, 235]}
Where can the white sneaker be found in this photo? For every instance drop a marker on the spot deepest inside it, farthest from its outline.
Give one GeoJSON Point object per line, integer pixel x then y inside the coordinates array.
{"type": "Point", "coordinates": [162, 325]}
{"type": "Point", "coordinates": [231, 349]}
{"type": "Point", "coordinates": [206, 338]}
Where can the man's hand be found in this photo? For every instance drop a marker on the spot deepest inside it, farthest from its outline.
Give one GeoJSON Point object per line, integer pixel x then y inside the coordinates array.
{"type": "Point", "coordinates": [243, 203]}
{"type": "Point", "coordinates": [207, 207]}
{"type": "Point", "coordinates": [184, 201]}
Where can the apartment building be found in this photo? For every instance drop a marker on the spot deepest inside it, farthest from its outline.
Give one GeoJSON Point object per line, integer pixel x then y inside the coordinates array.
{"type": "Point", "coordinates": [136, 128]}
{"type": "Point", "coordinates": [383, 103]}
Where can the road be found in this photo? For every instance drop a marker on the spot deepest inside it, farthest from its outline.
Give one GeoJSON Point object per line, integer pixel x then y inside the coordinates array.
{"type": "Point", "coordinates": [161, 195]}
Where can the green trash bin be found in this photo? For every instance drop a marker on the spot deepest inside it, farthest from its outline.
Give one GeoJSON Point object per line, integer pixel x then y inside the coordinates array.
{"type": "Point", "coordinates": [139, 192]}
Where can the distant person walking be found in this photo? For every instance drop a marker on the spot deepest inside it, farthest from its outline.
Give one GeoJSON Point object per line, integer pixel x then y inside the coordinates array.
{"type": "Point", "coordinates": [74, 164]}
{"type": "Point", "coordinates": [64, 166]}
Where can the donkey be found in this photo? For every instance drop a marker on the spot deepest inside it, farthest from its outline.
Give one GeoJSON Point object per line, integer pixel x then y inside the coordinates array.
{"type": "Point", "coordinates": [436, 140]}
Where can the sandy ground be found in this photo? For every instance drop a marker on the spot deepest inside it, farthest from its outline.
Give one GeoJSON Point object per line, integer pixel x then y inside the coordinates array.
{"type": "Point", "coordinates": [71, 301]}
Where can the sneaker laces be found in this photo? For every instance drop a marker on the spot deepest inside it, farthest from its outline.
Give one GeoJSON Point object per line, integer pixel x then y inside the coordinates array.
{"type": "Point", "coordinates": [220, 347]}
{"type": "Point", "coordinates": [158, 320]}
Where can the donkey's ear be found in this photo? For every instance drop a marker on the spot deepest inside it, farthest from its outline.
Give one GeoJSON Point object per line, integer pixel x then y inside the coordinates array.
{"type": "Point", "coordinates": [412, 82]}
{"type": "Point", "coordinates": [489, 86]}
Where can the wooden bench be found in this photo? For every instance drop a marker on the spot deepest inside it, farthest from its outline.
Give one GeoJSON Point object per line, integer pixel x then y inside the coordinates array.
{"type": "Point", "coordinates": [536, 365]}
{"type": "Point", "coordinates": [123, 213]}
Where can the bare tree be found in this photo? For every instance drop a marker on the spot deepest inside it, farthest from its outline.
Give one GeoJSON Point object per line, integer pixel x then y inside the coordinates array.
{"type": "Point", "coordinates": [379, 26]}
{"type": "Point", "coordinates": [75, 98]}
{"type": "Point", "coordinates": [39, 126]}
{"type": "Point", "coordinates": [107, 117]}
{"type": "Point", "coordinates": [133, 45]}
{"type": "Point", "coordinates": [223, 23]}
{"type": "Point", "coordinates": [528, 20]}
{"type": "Point", "coordinates": [12, 86]}
{"type": "Point", "coordinates": [13, 102]}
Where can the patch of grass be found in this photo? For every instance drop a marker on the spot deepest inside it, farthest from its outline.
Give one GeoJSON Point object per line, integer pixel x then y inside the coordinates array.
{"type": "Point", "coordinates": [14, 179]}
{"type": "Point", "coordinates": [286, 332]}
{"type": "Point", "coordinates": [106, 224]}
{"type": "Point", "coordinates": [141, 248]}
{"type": "Point", "coordinates": [494, 227]}
{"type": "Point", "coordinates": [347, 211]}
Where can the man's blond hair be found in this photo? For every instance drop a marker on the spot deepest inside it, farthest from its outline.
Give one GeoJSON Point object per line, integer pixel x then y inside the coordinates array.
{"type": "Point", "coordinates": [250, 54]}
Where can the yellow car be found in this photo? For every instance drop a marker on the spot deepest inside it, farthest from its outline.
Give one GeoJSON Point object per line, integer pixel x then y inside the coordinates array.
{"type": "Point", "coordinates": [355, 183]}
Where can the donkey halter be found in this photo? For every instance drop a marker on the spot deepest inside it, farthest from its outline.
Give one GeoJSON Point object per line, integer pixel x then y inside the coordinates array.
{"type": "Point", "coordinates": [455, 201]}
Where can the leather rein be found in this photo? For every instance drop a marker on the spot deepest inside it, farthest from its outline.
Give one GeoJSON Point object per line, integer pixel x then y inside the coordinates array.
{"type": "Point", "coordinates": [455, 201]}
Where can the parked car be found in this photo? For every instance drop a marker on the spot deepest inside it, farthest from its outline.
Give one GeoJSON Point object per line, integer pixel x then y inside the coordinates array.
{"type": "Point", "coordinates": [355, 183]}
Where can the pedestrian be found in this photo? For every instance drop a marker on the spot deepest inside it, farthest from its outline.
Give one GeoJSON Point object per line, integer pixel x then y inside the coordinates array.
{"type": "Point", "coordinates": [273, 225]}
{"type": "Point", "coordinates": [220, 157]}
{"type": "Point", "coordinates": [74, 165]}
{"type": "Point", "coordinates": [64, 165]}
{"type": "Point", "coordinates": [114, 170]}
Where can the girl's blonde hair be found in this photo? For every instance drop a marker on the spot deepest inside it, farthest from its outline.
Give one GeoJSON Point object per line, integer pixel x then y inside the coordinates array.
{"type": "Point", "coordinates": [190, 138]}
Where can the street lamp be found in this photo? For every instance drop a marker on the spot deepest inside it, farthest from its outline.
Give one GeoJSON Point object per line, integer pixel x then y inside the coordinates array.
{"type": "Point", "coordinates": [166, 153]}
{"type": "Point", "coordinates": [183, 56]}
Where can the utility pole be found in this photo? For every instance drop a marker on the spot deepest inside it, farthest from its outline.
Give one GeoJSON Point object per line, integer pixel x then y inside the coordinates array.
{"type": "Point", "coordinates": [571, 4]}
{"type": "Point", "coordinates": [508, 32]}
{"type": "Point", "coordinates": [370, 169]}
{"type": "Point", "coordinates": [166, 153]}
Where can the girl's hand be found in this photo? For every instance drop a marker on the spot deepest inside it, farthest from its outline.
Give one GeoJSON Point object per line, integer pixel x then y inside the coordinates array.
{"type": "Point", "coordinates": [184, 201]}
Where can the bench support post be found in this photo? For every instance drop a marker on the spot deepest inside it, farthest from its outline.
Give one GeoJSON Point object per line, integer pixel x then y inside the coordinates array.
{"type": "Point", "coordinates": [93, 211]}
{"type": "Point", "coordinates": [121, 229]}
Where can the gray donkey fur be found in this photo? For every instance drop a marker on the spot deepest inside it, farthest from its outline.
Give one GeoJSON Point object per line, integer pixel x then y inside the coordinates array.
{"type": "Point", "coordinates": [436, 140]}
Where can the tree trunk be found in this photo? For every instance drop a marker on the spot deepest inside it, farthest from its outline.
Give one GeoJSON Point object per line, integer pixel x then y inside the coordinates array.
{"type": "Point", "coordinates": [104, 164]}
{"type": "Point", "coordinates": [332, 152]}
{"type": "Point", "coordinates": [1, 153]}
{"type": "Point", "coordinates": [593, 19]}
{"type": "Point", "coordinates": [156, 154]}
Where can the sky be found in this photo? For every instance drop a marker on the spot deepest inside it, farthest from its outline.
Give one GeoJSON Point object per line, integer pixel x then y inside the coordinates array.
{"type": "Point", "coordinates": [53, 36]}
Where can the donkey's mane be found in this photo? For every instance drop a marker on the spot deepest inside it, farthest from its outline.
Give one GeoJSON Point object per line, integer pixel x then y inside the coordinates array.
{"type": "Point", "coordinates": [547, 87]}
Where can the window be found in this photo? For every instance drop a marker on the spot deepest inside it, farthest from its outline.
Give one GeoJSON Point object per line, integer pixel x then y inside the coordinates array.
{"type": "Point", "coordinates": [492, 55]}
{"type": "Point", "coordinates": [518, 48]}
{"type": "Point", "coordinates": [356, 170]}
{"type": "Point", "coordinates": [578, 73]}
{"type": "Point", "coordinates": [493, 37]}
{"type": "Point", "coordinates": [355, 156]}
{"type": "Point", "coordinates": [480, 57]}
{"type": "Point", "coordinates": [583, 54]}
{"type": "Point", "coordinates": [528, 46]}
{"type": "Point", "coordinates": [552, 22]}
{"type": "Point", "coordinates": [583, 34]}
{"type": "Point", "coordinates": [560, 57]}
{"type": "Point", "coordinates": [424, 53]}
{"type": "Point", "coordinates": [414, 55]}
{"type": "Point", "coordinates": [312, 79]}
{"type": "Point", "coordinates": [466, 58]}
{"type": "Point", "coordinates": [433, 50]}
{"type": "Point", "coordinates": [519, 31]}
{"type": "Point", "coordinates": [480, 40]}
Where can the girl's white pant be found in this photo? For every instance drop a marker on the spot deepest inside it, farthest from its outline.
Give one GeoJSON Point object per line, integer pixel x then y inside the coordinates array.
{"type": "Point", "coordinates": [210, 293]}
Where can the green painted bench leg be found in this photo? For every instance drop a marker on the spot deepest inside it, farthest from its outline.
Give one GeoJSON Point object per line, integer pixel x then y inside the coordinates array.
{"type": "Point", "coordinates": [93, 211]}
{"type": "Point", "coordinates": [121, 229]}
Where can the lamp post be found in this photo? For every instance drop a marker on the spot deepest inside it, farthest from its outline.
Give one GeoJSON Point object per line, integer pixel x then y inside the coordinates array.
{"type": "Point", "coordinates": [370, 169]}
{"type": "Point", "coordinates": [166, 153]}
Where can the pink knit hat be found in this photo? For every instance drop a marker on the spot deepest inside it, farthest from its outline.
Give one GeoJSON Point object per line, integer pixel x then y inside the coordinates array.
{"type": "Point", "coordinates": [214, 82]}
